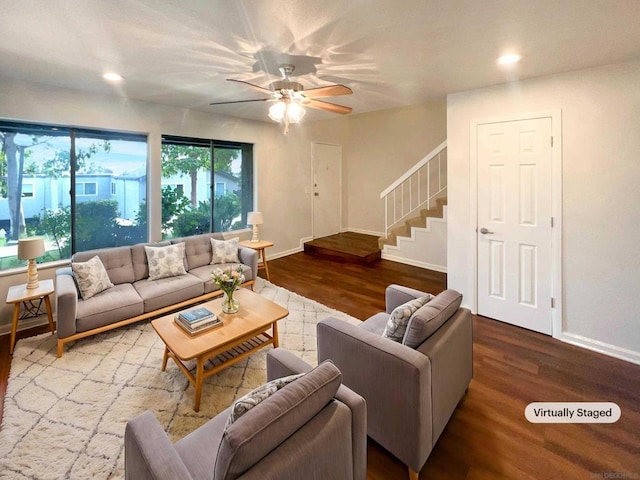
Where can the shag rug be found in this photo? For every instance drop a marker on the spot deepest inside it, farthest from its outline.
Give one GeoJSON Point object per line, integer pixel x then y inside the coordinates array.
{"type": "Point", "coordinates": [64, 418]}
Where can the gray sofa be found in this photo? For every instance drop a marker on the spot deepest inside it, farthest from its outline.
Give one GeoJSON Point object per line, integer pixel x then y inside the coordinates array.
{"type": "Point", "coordinates": [312, 428]}
{"type": "Point", "coordinates": [411, 393]}
{"type": "Point", "coordinates": [134, 297]}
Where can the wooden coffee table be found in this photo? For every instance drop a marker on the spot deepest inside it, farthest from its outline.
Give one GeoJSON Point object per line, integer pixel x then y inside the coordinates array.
{"type": "Point", "coordinates": [242, 334]}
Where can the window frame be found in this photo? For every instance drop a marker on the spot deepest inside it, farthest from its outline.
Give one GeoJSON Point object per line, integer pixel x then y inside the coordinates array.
{"type": "Point", "coordinates": [84, 188]}
{"type": "Point", "coordinates": [72, 133]}
{"type": "Point", "coordinates": [246, 183]}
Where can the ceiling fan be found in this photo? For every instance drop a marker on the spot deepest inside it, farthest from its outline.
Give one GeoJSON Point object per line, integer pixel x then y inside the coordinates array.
{"type": "Point", "coordinates": [289, 98]}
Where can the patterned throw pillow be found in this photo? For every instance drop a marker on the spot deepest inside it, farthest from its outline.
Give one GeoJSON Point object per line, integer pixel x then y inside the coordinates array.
{"type": "Point", "coordinates": [91, 277]}
{"type": "Point", "coordinates": [260, 394]}
{"type": "Point", "coordinates": [399, 318]}
{"type": "Point", "coordinates": [224, 251]}
{"type": "Point", "coordinates": [165, 261]}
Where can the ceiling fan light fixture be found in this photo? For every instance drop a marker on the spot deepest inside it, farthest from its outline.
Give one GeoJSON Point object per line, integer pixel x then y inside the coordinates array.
{"type": "Point", "coordinates": [277, 111]}
{"type": "Point", "coordinates": [295, 112]}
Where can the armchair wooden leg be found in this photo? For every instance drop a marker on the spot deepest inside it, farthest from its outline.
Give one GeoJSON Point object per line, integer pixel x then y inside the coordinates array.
{"type": "Point", "coordinates": [413, 475]}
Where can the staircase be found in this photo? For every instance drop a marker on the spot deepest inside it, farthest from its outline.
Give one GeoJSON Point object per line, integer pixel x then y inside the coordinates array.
{"type": "Point", "coordinates": [416, 212]}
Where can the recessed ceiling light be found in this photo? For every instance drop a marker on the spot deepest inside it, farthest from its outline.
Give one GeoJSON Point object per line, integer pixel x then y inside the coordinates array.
{"type": "Point", "coordinates": [112, 77]}
{"type": "Point", "coordinates": [509, 59]}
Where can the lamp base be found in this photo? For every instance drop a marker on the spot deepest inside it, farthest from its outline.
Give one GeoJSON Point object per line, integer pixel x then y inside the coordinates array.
{"type": "Point", "coordinates": [254, 238]}
{"type": "Point", "coordinates": [32, 275]}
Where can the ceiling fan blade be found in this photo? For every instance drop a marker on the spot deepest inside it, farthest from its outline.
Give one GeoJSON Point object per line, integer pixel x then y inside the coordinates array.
{"type": "Point", "coordinates": [255, 87]}
{"type": "Point", "coordinates": [328, 91]}
{"type": "Point", "coordinates": [329, 107]}
{"type": "Point", "coordinates": [242, 101]}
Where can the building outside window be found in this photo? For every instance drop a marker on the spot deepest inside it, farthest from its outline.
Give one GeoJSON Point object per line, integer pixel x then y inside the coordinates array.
{"type": "Point", "coordinates": [67, 190]}
{"type": "Point", "coordinates": [221, 189]}
{"type": "Point", "coordinates": [197, 165]}
{"type": "Point", "coordinates": [86, 188]}
{"type": "Point", "coordinates": [27, 190]}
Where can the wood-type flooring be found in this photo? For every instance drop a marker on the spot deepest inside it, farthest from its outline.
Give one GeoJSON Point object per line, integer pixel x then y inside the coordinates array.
{"type": "Point", "coordinates": [488, 437]}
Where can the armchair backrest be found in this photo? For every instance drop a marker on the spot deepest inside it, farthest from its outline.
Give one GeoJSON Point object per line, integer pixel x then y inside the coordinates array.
{"type": "Point", "coordinates": [300, 409]}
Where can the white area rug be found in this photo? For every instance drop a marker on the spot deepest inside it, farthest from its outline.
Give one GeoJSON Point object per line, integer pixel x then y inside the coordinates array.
{"type": "Point", "coordinates": [64, 418]}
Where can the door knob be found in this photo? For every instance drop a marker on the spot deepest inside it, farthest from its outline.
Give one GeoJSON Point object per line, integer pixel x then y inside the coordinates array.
{"type": "Point", "coordinates": [484, 231]}
{"type": "Point", "coordinates": [317, 194]}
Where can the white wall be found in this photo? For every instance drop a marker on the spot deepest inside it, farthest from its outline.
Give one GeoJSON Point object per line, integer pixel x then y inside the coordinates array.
{"type": "Point", "coordinates": [601, 196]}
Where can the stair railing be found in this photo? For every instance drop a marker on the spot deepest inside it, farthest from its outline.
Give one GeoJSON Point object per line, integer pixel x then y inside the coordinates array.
{"type": "Point", "coordinates": [415, 189]}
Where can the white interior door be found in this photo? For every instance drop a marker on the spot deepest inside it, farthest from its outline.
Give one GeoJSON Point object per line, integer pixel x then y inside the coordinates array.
{"type": "Point", "coordinates": [327, 189]}
{"type": "Point", "coordinates": [514, 236]}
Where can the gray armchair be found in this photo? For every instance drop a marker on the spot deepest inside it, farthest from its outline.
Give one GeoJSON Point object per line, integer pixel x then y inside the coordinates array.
{"type": "Point", "coordinates": [411, 393]}
{"type": "Point", "coordinates": [311, 428]}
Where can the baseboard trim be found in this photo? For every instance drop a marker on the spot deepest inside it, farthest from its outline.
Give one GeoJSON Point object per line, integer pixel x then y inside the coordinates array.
{"type": "Point", "coordinates": [291, 251]}
{"type": "Point", "coordinates": [26, 324]}
{"type": "Point", "coordinates": [364, 232]}
{"type": "Point", "coordinates": [414, 263]}
{"type": "Point", "coordinates": [601, 347]}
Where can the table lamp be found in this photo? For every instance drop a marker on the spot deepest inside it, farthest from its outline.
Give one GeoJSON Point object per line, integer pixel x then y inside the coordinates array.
{"type": "Point", "coordinates": [255, 219]}
{"type": "Point", "coordinates": [29, 249]}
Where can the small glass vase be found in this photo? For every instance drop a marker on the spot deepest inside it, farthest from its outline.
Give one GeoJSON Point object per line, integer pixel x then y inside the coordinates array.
{"type": "Point", "coordinates": [229, 303]}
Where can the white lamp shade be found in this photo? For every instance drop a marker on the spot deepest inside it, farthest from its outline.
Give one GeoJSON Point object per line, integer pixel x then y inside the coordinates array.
{"type": "Point", "coordinates": [32, 247]}
{"type": "Point", "coordinates": [255, 218]}
{"type": "Point", "coordinates": [295, 112]}
{"type": "Point", "coordinates": [277, 110]}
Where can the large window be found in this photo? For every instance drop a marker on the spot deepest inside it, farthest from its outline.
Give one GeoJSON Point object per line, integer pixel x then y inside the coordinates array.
{"type": "Point", "coordinates": [60, 183]}
{"type": "Point", "coordinates": [197, 166]}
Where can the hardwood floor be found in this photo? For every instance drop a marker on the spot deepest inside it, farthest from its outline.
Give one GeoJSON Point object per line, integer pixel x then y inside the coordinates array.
{"type": "Point", "coordinates": [488, 436]}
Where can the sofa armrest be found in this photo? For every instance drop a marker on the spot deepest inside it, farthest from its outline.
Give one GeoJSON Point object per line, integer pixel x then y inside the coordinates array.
{"type": "Point", "coordinates": [249, 257]}
{"type": "Point", "coordinates": [395, 381]}
{"type": "Point", "coordinates": [282, 363]}
{"type": "Point", "coordinates": [67, 302]}
{"type": "Point", "coordinates": [396, 295]}
{"type": "Point", "coordinates": [450, 350]}
{"type": "Point", "coordinates": [148, 453]}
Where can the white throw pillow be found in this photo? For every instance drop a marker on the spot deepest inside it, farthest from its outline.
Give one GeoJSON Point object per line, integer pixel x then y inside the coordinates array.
{"type": "Point", "coordinates": [224, 251]}
{"type": "Point", "coordinates": [399, 318]}
{"type": "Point", "coordinates": [167, 261]}
{"type": "Point", "coordinates": [257, 396]}
{"type": "Point", "coordinates": [91, 277]}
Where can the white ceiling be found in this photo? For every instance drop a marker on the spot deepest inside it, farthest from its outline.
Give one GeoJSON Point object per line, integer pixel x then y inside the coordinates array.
{"type": "Point", "coordinates": [391, 53]}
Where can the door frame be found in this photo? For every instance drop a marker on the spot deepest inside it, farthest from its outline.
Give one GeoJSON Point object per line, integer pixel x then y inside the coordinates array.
{"type": "Point", "coordinates": [313, 200]}
{"type": "Point", "coordinates": [556, 206]}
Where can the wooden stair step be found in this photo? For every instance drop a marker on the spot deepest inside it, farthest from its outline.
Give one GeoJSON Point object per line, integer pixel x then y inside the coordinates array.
{"type": "Point", "coordinates": [348, 247]}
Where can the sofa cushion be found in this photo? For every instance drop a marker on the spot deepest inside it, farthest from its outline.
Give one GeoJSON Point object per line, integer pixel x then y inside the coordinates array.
{"type": "Point", "coordinates": [91, 277]}
{"type": "Point", "coordinates": [117, 261]}
{"type": "Point", "coordinates": [258, 395]}
{"type": "Point", "coordinates": [204, 274]}
{"type": "Point", "coordinates": [430, 317]}
{"type": "Point", "coordinates": [197, 249]}
{"type": "Point", "coordinates": [168, 291]}
{"type": "Point", "coordinates": [224, 251]}
{"type": "Point", "coordinates": [167, 261]}
{"type": "Point", "coordinates": [399, 318]}
{"type": "Point", "coordinates": [107, 307]}
{"type": "Point", "coordinates": [375, 323]}
{"type": "Point", "coordinates": [267, 425]}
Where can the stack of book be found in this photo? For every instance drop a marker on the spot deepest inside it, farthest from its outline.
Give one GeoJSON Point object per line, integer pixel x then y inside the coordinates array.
{"type": "Point", "coordinates": [197, 321]}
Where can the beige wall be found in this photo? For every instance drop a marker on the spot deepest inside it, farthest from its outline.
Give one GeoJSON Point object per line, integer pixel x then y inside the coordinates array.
{"type": "Point", "coordinates": [378, 148]}
{"type": "Point", "coordinates": [600, 213]}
